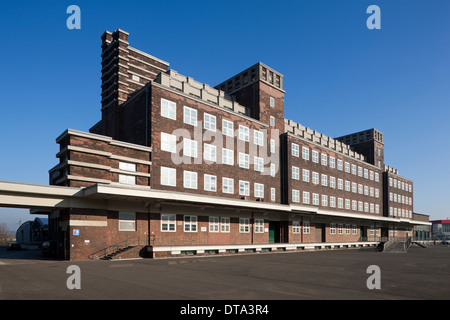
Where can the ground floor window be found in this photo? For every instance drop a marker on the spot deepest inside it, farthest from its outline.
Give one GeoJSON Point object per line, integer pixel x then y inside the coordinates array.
{"type": "Point", "coordinates": [306, 227]}
{"type": "Point", "coordinates": [244, 225]}
{"type": "Point", "coordinates": [127, 221]}
{"type": "Point", "coordinates": [168, 222]}
{"type": "Point", "coordinates": [259, 225]}
{"type": "Point", "coordinates": [224, 224]}
{"type": "Point", "coordinates": [296, 227]}
{"type": "Point", "coordinates": [190, 223]}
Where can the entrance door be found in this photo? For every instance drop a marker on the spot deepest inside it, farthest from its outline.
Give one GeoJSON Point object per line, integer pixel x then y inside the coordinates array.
{"type": "Point", "coordinates": [274, 231]}
{"type": "Point", "coordinates": [320, 232]}
{"type": "Point", "coordinates": [363, 233]}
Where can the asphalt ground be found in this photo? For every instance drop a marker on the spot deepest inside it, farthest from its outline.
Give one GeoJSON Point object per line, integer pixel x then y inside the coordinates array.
{"type": "Point", "coordinates": [421, 273]}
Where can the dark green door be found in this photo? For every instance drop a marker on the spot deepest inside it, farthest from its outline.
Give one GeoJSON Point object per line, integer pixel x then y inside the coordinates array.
{"type": "Point", "coordinates": [274, 231]}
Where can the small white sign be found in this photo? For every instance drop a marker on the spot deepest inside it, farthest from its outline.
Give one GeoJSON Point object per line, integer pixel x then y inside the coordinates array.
{"type": "Point", "coordinates": [203, 229]}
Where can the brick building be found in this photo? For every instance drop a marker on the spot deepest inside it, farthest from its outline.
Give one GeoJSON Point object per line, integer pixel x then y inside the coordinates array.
{"type": "Point", "coordinates": [192, 168]}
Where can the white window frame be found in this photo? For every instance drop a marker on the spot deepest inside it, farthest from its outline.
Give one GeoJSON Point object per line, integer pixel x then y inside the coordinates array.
{"type": "Point", "coordinates": [190, 223]}
{"type": "Point", "coordinates": [168, 220]}
{"type": "Point", "coordinates": [190, 148]}
{"type": "Point", "coordinates": [228, 185]}
{"type": "Point", "coordinates": [209, 122]}
{"type": "Point", "coordinates": [244, 160]}
{"type": "Point", "coordinates": [244, 188]}
{"type": "Point", "coordinates": [168, 177]}
{"type": "Point", "coordinates": [190, 179]}
{"type": "Point", "coordinates": [190, 116]}
{"type": "Point", "coordinates": [168, 109]}
{"type": "Point", "coordinates": [228, 128]}
{"type": "Point", "coordinates": [244, 133]}
{"type": "Point", "coordinates": [209, 153]}
{"type": "Point", "coordinates": [209, 182]}
{"type": "Point", "coordinates": [259, 225]}
{"type": "Point", "coordinates": [168, 142]}
{"type": "Point", "coordinates": [258, 190]}
{"type": "Point", "coordinates": [244, 225]}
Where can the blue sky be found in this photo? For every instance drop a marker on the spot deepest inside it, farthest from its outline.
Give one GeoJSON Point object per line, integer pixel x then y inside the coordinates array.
{"type": "Point", "coordinates": [339, 76]}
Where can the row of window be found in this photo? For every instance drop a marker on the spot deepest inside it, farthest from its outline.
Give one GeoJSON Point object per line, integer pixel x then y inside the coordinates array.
{"type": "Point", "coordinates": [394, 212]}
{"type": "Point", "coordinates": [331, 181]}
{"type": "Point", "coordinates": [168, 110]}
{"type": "Point", "coordinates": [400, 199]}
{"type": "Point", "coordinates": [216, 224]}
{"type": "Point", "coordinates": [400, 184]}
{"type": "Point", "coordinates": [333, 202]}
{"type": "Point", "coordinates": [190, 181]}
{"type": "Point", "coordinates": [190, 149]}
{"type": "Point", "coordinates": [326, 160]}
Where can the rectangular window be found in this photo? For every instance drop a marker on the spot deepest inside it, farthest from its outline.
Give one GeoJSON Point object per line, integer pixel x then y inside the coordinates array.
{"type": "Point", "coordinates": [306, 227]}
{"type": "Point", "coordinates": [259, 190]}
{"type": "Point", "coordinates": [324, 180]}
{"type": "Point", "coordinates": [127, 221]}
{"type": "Point", "coordinates": [340, 184]}
{"type": "Point", "coordinates": [272, 169]}
{"type": "Point", "coordinates": [228, 185]}
{"type": "Point", "coordinates": [213, 224]}
{"type": "Point", "coordinates": [244, 188]}
{"type": "Point", "coordinates": [340, 203]}
{"type": "Point", "coordinates": [332, 202]}
{"type": "Point", "coordinates": [305, 197]}
{"type": "Point", "coordinates": [190, 223]}
{"type": "Point", "coordinates": [258, 138]}
{"type": "Point", "coordinates": [315, 199]}
{"type": "Point", "coordinates": [296, 227]}
{"type": "Point", "coordinates": [340, 229]}
{"type": "Point", "coordinates": [295, 196]}
{"type": "Point", "coordinates": [259, 164]}
{"type": "Point", "coordinates": [127, 179]}
{"type": "Point", "coordinates": [332, 162]}
{"type": "Point", "coordinates": [127, 166]}
{"type": "Point", "coordinates": [227, 128]}
{"type": "Point", "coordinates": [224, 224]}
{"type": "Point", "coordinates": [244, 133]}
{"type": "Point", "coordinates": [295, 173]}
{"type": "Point", "coordinates": [347, 167]}
{"type": "Point", "coordinates": [272, 102]}
{"type": "Point", "coordinates": [315, 177]}
{"type": "Point", "coordinates": [354, 205]}
{"type": "Point", "coordinates": [294, 149]}
{"type": "Point", "coordinates": [209, 153]}
{"type": "Point", "coordinates": [332, 182]}
{"type": "Point", "coordinates": [190, 179]}
{"type": "Point", "coordinates": [272, 194]}
{"type": "Point", "coordinates": [324, 161]}
{"type": "Point", "coordinates": [168, 222]}
{"type": "Point", "coordinates": [209, 122]}
{"type": "Point", "coordinates": [259, 225]}
{"type": "Point", "coordinates": [243, 160]}
{"type": "Point", "coordinates": [244, 225]}
{"type": "Point", "coordinates": [353, 169]}
{"type": "Point", "coordinates": [227, 156]}
{"type": "Point", "coordinates": [272, 121]}
{"type": "Point", "coordinates": [366, 173]}
{"type": "Point", "coordinates": [324, 200]}
{"type": "Point", "coordinates": [168, 109]}
{"type": "Point", "coordinates": [315, 156]}
{"type": "Point", "coordinates": [168, 176]}
{"type": "Point", "coordinates": [359, 171]}
{"type": "Point", "coordinates": [339, 164]}
{"type": "Point", "coordinates": [347, 204]}
{"type": "Point", "coordinates": [190, 148]}
{"type": "Point", "coordinates": [305, 153]}
{"type": "Point", "coordinates": [332, 228]}
{"type": "Point", "coordinates": [272, 146]}
{"type": "Point", "coordinates": [210, 182]}
{"type": "Point", "coordinates": [168, 142]}
{"type": "Point", "coordinates": [190, 116]}
{"type": "Point", "coordinates": [305, 175]}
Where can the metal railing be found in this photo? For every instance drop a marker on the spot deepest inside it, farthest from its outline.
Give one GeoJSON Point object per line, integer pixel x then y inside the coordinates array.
{"type": "Point", "coordinates": [139, 240]}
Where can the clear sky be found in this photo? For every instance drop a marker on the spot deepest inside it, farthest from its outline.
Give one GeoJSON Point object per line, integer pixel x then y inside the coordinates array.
{"type": "Point", "coordinates": [339, 76]}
